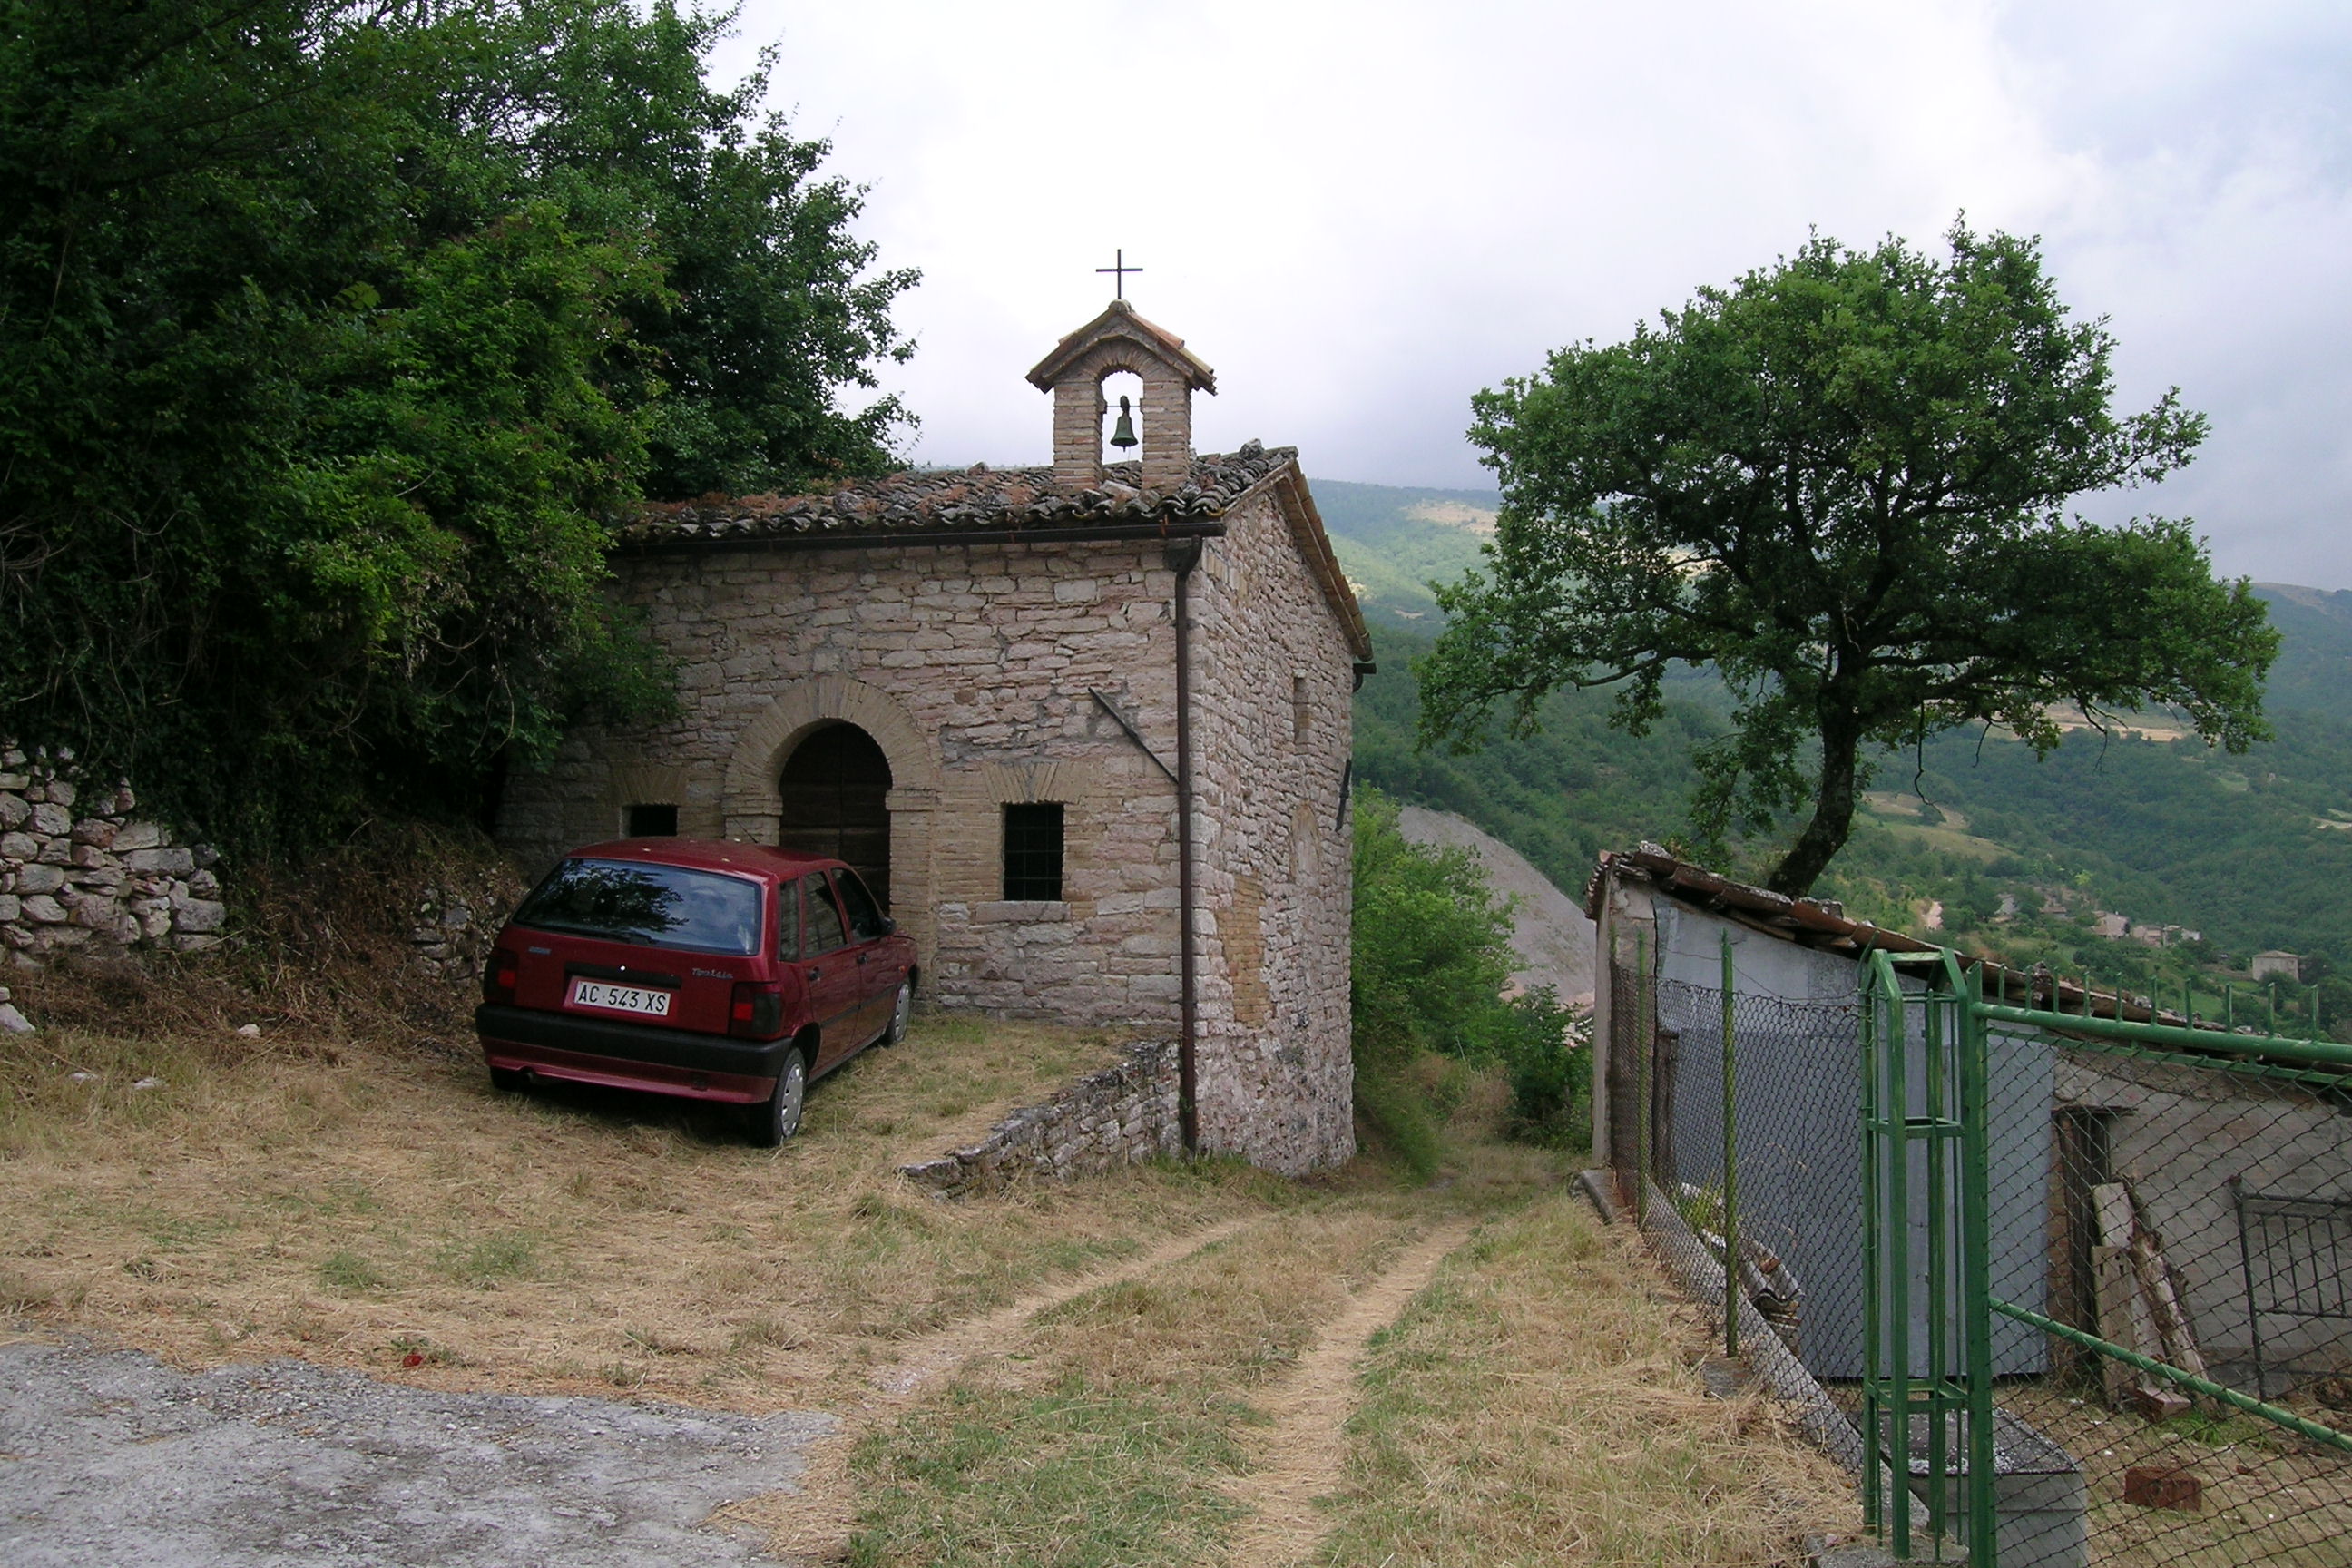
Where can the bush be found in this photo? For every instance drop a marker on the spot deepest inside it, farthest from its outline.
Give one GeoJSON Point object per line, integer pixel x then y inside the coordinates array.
{"type": "Point", "coordinates": [1432, 963]}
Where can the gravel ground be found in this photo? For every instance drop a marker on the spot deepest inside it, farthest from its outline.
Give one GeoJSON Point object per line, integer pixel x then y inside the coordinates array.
{"type": "Point", "coordinates": [115, 1458]}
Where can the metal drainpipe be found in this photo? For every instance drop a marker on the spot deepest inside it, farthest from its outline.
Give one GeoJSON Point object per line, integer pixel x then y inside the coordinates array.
{"type": "Point", "coordinates": [1182, 557]}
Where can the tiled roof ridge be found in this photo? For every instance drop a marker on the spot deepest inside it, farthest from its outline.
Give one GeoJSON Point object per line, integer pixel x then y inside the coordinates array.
{"type": "Point", "coordinates": [978, 499]}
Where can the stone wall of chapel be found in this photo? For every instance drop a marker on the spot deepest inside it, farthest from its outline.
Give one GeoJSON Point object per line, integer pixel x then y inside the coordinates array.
{"type": "Point", "coordinates": [973, 668]}
{"type": "Point", "coordinates": [1272, 687]}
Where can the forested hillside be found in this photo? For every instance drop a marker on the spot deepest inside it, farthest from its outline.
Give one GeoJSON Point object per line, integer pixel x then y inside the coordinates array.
{"type": "Point", "coordinates": [2247, 851]}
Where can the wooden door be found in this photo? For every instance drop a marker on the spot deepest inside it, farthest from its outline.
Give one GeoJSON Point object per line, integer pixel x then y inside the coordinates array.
{"type": "Point", "coordinates": [834, 789]}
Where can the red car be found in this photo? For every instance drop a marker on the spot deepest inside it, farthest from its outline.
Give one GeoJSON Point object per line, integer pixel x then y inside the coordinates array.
{"type": "Point", "coordinates": [710, 971]}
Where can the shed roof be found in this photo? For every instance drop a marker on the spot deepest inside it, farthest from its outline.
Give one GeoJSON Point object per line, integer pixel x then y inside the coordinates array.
{"type": "Point", "coordinates": [1822, 923]}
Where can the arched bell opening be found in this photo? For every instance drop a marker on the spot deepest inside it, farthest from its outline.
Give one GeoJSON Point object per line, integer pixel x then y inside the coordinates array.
{"type": "Point", "coordinates": [834, 795]}
{"type": "Point", "coordinates": [1122, 405]}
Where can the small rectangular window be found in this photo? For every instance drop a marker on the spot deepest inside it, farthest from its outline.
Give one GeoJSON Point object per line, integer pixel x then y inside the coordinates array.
{"type": "Point", "coordinates": [1033, 851]}
{"type": "Point", "coordinates": [653, 821]}
{"type": "Point", "coordinates": [1302, 714]}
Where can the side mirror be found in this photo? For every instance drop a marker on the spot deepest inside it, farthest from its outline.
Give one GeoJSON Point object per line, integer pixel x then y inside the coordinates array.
{"type": "Point", "coordinates": [888, 925]}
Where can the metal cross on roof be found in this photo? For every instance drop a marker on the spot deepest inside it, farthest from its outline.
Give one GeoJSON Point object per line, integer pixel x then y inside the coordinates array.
{"type": "Point", "coordinates": [1119, 272]}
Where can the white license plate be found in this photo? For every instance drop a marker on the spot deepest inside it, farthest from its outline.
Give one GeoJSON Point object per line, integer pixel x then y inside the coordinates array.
{"type": "Point", "coordinates": [639, 999]}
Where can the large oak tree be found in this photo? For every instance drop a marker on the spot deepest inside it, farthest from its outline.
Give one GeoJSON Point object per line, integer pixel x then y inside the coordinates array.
{"type": "Point", "coordinates": [1845, 484]}
{"type": "Point", "coordinates": [335, 338]}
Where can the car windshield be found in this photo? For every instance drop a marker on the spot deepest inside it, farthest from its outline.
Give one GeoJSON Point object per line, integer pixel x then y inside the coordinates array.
{"type": "Point", "coordinates": [659, 905]}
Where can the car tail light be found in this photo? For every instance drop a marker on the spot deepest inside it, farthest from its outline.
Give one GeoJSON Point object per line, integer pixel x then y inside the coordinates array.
{"type": "Point", "coordinates": [499, 978]}
{"type": "Point", "coordinates": [758, 1010]}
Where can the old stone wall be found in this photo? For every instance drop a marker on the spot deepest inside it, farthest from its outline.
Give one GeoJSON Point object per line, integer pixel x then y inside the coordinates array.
{"type": "Point", "coordinates": [1272, 692]}
{"type": "Point", "coordinates": [454, 923]}
{"type": "Point", "coordinates": [79, 869]}
{"type": "Point", "coordinates": [1117, 1117]}
{"type": "Point", "coordinates": [996, 673]}
{"type": "Point", "coordinates": [976, 668]}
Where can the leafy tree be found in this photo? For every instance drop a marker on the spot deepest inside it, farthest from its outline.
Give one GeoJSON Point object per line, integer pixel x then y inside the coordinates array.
{"type": "Point", "coordinates": [1843, 483]}
{"type": "Point", "coordinates": [335, 339]}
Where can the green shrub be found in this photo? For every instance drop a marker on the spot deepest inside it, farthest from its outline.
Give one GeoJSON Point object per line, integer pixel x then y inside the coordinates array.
{"type": "Point", "coordinates": [1431, 964]}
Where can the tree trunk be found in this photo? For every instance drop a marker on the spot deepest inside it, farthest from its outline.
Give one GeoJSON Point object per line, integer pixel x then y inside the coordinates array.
{"type": "Point", "coordinates": [1832, 821]}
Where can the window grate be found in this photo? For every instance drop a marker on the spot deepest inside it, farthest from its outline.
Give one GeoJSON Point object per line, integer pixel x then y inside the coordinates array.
{"type": "Point", "coordinates": [1033, 851]}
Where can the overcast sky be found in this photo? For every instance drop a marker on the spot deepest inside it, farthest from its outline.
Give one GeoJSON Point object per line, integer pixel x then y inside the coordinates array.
{"type": "Point", "coordinates": [1360, 214]}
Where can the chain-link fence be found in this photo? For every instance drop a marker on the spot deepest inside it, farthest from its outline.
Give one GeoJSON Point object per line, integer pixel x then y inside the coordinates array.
{"type": "Point", "coordinates": [1795, 1128]}
{"type": "Point", "coordinates": [2197, 1216]}
{"type": "Point", "coordinates": [2163, 1274]}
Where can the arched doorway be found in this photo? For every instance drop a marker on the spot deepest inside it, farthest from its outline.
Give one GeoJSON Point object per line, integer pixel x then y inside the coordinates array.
{"type": "Point", "coordinates": [834, 790]}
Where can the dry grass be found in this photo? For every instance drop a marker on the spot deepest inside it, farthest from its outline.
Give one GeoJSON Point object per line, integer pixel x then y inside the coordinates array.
{"type": "Point", "coordinates": [1537, 1404]}
{"type": "Point", "coordinates": [330, 1191]}
{"type": "Point", "coordinates": [357, 1207]}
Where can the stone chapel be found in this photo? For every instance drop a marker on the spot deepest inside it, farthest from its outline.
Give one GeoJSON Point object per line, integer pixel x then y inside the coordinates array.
{"type": "Point", "coordinates": [1084, 728]}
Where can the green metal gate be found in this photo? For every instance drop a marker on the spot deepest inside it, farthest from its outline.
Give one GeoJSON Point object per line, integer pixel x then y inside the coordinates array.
{"type": "Point", "coordinates": [1923, 1146]}
{"type": "Point", "coordinates": [1928, 1389]}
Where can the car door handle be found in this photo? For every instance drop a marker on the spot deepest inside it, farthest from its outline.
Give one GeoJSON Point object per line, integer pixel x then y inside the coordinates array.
{"type": "Point", "coordinates": [815, 972]}
{"type": "Point", "coordinates": [861, 961]}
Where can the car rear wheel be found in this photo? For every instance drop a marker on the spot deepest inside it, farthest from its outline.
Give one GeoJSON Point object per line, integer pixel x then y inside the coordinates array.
{"type": "Point", "coordinates": [901, 1008]}
{"type": "Point", "coordinates": [779, 1117]}
{"type": "Point", "coordinates": [509, 1081]}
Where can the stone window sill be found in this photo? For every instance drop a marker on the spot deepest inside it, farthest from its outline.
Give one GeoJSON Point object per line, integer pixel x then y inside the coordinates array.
{"type": "Point", "coordinates": [1020, 911]}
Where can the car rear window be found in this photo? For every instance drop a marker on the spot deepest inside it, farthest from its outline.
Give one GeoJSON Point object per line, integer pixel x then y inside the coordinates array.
{"type": "Point", "coordinates": [659, 905]}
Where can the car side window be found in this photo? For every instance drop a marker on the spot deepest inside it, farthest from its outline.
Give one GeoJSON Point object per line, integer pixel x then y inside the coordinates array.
{"type": "Point", "coordinates": [866, 922]}
{"type": "Point", "coordinates": [825, 930]}
{"type": "Point", "coordinates": [787, 920]}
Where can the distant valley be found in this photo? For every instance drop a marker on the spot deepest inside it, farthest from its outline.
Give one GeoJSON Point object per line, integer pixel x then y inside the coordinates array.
{"type": "Point", "coordinates": [1970, 835]}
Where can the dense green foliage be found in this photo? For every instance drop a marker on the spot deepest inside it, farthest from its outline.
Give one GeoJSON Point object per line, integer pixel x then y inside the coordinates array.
{"type": "Point", "coordinates": [2166, 833]}
{"type": "Point", "coordinates": [1394, 543]}
{"type": "Point", "coordinates": [2313, 673]}
{"type": "Point", "coordinates": [1430, 964]}
{"type": "Point", "coordinates": [333, 343]}
{"type": "Point", "coordinates": [1842, 485]}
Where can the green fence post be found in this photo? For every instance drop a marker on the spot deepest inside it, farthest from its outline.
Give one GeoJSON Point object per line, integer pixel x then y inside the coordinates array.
{"type": "Point", "coordinates": [1731, 1169]}
{"type": "Point", "coordinates": [1975, 1269]}
{"type": "Point", "coordinates": [1874, 1501]}
{"type": "Point", "coordinates": [1896, 1111]}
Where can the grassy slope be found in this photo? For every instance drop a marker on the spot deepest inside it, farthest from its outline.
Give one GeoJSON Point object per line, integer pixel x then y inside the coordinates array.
{"type": "Point", "coordinates": [2165, 833]}
{"type": "Point", "coordinates": [350, 1202]}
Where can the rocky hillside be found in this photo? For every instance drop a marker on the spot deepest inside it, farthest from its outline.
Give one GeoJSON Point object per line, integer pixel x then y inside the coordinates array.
{"type": "Point", "coordinates": [1550, 934]}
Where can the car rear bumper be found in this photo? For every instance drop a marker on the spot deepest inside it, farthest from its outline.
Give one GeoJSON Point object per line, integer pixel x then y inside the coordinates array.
{"type": "Point", "coordinates": [629, 1056]}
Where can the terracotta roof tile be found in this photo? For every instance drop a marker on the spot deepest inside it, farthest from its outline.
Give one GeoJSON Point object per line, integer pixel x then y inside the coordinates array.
{"type": "Point", "coordinates": [976, 500]}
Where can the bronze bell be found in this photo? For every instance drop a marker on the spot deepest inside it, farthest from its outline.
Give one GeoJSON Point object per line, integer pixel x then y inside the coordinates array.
{"type": "Point", "coordinates": [1122, 435]}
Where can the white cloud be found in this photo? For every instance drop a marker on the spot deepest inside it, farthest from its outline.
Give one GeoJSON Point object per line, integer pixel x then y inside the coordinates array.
{"type": "Point", "coordinates": [1362, 213]}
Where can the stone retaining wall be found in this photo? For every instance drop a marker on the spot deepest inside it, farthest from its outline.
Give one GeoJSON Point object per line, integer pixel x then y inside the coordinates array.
{"type": "Point", "coordinates": [79, 869]}
{"type": "Point", "coordinates": [1118, 1116]}
{"type": "Point", "coordinates": [454, 925]}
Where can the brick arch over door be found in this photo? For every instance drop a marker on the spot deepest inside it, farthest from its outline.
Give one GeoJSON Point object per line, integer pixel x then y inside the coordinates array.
{"type": "Point", "coordinates": [752, 806]}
